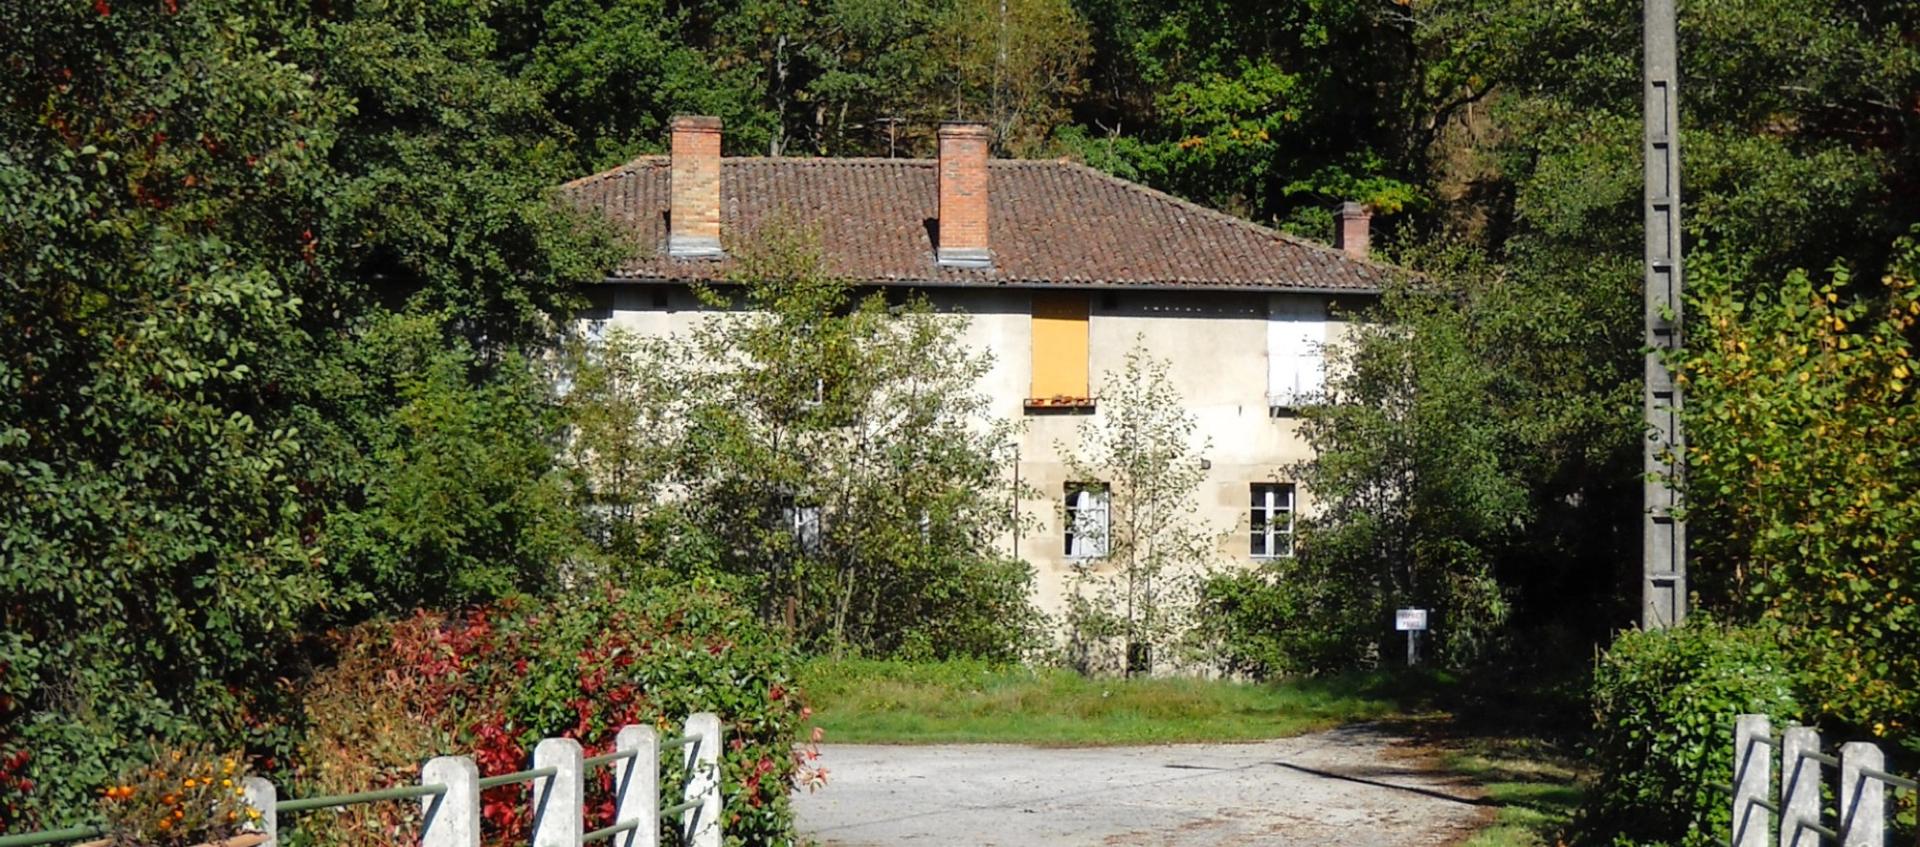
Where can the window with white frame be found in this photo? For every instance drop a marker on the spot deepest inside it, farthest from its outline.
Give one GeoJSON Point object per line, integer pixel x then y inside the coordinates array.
{"type": "Point", "coordinates": [804, 523]}
{"type": "Point", "coordinates": [1087, 523]}
{"type": "Point", "coordinates": [1272, 520]}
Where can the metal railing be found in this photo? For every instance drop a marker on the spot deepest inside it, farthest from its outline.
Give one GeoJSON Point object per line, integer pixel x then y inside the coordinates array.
{"type": "Point", "coordinates": [1859, 771]}
{"type": "Point", "coordinates": [450, 787]}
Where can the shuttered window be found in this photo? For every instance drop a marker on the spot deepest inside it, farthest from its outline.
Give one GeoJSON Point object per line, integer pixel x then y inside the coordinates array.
{"type": "Point", "coordinates": [1059, 349]}
{"type": "Point", "coordinates": [1296, 355]}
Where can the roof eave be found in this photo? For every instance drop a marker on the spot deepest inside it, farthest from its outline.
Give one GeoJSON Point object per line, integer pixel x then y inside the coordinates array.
{"type": "Point", "coordinates": [1104, 286]}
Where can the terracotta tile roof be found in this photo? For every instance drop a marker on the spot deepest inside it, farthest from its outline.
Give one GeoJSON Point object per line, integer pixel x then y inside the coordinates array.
{"type": "Point", "coordinates": [1053, 223]}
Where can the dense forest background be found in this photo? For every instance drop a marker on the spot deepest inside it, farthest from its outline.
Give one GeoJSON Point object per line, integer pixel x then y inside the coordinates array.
{"type": "Point", "coordinates": [283, 283]}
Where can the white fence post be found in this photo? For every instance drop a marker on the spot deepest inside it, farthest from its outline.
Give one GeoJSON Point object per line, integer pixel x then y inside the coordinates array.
{"type": "Point", "coordinates": [700, 825]}
{"type": "Point", "coordinates": [1752, 779]}
{"type": "Point", "coordinates": [637, 786]}
{"type": "Point", "coordinates": [1799, 787]}
{"type": "Point", "coordinates": [558, 800]}
{"type": "Point", "coordinates": [452, 819]}
{"type": "Point", "coordinates": [1863, 801]}
{"type": "Point", "coordinates": [263, 797]}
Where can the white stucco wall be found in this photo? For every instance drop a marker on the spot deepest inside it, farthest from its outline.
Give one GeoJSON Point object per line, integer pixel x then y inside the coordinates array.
{"type": "Point", "coordinates": [1216, 346]}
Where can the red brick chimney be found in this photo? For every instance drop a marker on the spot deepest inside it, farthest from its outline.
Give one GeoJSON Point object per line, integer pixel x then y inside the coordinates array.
{"type": "Point", "coordinates": [963, 196]}
{"type": "Point", "coordinates": [695, 218]}
{"type": "Point", "coordinates": [1351, 235]}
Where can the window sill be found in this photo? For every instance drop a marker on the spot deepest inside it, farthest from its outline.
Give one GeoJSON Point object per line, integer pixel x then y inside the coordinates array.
{"type": "Point", "coordinates": [1060, 405]}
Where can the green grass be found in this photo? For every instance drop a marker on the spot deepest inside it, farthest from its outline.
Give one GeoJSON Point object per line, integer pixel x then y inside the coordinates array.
{"type": "Point", "coordinates": [885, 702]}
{"type": "Point", "coordinates": [1535, 788]}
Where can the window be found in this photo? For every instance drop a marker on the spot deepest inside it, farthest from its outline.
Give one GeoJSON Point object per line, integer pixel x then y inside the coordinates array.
{"type": "Point", "coordinates": [1296, 355]}
{"type": "Point", "coordinates": [804, 523]}
{"type": "Point", "coordinates": [1059, 345]}
{"type": "Point", "coordinates": [1087, 520]}
{"type": "Point", "coordinates": [1272, 520]}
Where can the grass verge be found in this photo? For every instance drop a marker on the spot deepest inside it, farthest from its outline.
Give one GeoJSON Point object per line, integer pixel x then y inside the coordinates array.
{"type": "Point", "coordinates": [1534, 787]}
{"type": "Point", "coordinates": [886, 702]}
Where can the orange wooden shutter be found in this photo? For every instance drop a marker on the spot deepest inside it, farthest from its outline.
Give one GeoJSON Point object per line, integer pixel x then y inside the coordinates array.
{"type": "Point", "coordinates": [1059, 345]}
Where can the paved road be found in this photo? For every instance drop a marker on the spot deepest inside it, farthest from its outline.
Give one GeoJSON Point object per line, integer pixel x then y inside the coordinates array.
{"type": "Point", "coordinates": [1350, 786]}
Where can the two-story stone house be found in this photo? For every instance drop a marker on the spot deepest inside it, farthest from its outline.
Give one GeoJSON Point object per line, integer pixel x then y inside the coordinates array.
{"type": "Point", "coordinates": [1060, 270]}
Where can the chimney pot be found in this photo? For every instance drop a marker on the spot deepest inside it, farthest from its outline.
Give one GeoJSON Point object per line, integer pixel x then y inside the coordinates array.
{"type": "Point", "coordinates": [1351, 235]}
{"type": "Point", "coordinates": [964, 204]}
{"type": "Point", "coordinates": [695, 217]}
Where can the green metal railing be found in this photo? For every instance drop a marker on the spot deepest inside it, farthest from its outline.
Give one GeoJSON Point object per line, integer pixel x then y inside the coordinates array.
{"type": "Point", "coordinates": [1797, 806]}
{"type": "Point", "coordinates": [404, 792]}
{"type": "Point", "coordinates": [516, 776]}
{"type": "Point", "coordinates": [609, 832]}
{"type": "Point", "coordinates": [459, 774]}
{"type": "Point", "coordinates": [608, 758]}
{"type": "Point", "coordinates": [677, 808]}
{"type": "Point", "coordinates": [52, 836]}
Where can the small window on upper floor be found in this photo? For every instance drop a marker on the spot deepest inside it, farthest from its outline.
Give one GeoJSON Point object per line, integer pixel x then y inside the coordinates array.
{"type": "Point", "coordinates": [1272, 520]}
{"type": "Point", "coordinates": [1087, 520]}
{"type": "Point", "coordinates": [1296, 352]}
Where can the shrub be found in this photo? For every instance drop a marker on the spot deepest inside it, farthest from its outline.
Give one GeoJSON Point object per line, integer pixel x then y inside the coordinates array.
{"type": "Point", "coordinates": [1280, 620]}
{"type": "Point", "coordinates": [496, 680]}
{"type": "Point", "coordinates": [1801, 475]}
{"type": "Point", "coordinates": [1664, 705]}
{"type": "Point", "coordinates": [180, 797]}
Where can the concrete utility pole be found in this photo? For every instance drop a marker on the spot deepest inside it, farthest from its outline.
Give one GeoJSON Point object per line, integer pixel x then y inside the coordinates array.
{"type": "Point", "coordinates": [1664, 546]}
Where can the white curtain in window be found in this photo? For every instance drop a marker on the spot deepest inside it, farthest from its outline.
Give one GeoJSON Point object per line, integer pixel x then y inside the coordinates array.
{"type": "Point", "coordinates": [1087, 523]}
{"type": "Point", "coordinates": [805, 522]}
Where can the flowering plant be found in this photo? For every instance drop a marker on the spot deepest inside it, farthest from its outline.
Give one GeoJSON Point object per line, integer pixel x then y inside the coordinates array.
{"type": "Point", "coordinates": [181, 797]}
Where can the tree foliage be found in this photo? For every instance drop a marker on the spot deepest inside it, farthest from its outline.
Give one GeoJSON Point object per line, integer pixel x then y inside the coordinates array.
{"type": "Point", "coordinates": [1804, 480]}
{"type": "Point", "coordinates": [1141, 450]}
{"type": "Point", "coordinates": [273, 276]}
{"type": "Point", "coordinates": [829, 448]}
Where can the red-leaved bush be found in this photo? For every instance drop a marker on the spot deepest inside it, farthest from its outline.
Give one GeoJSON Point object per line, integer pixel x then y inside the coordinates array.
{"type": "Point", "coordinates": [493, 682]}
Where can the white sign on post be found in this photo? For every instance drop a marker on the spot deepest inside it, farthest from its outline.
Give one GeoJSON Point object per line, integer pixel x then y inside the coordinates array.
{"type": "Point", "coordinates": [1410, 620]}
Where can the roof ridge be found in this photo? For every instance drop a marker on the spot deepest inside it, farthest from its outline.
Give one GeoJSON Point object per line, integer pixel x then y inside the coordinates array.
{"type": "Point", "coordinates": [616, 170]}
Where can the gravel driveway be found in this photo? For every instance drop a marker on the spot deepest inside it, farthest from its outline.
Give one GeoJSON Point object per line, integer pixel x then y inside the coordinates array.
{"type": "Point", "coordinates": [1356, 785]}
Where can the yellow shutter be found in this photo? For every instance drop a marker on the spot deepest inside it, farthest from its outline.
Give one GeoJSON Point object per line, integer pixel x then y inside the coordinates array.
{"type": "Point", "coordinates": [1060, 346]}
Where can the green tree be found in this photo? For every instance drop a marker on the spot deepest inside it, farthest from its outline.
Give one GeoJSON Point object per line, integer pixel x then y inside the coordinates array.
{"type": "Point", "coordinates": [1272, 111]}
{"type": "Point", "coordinates": [276, 280]}
{"type": "Point", "coordinates": [1803, 487]}
{"type": "Point", "coordinates": [151, 170]}
{"type": "Point", "coordinates": [1141, 452]}
{"type": "Point", "coordinates": [1014, 64]}
{"type": "Point", "coordinates": [829, 448]}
